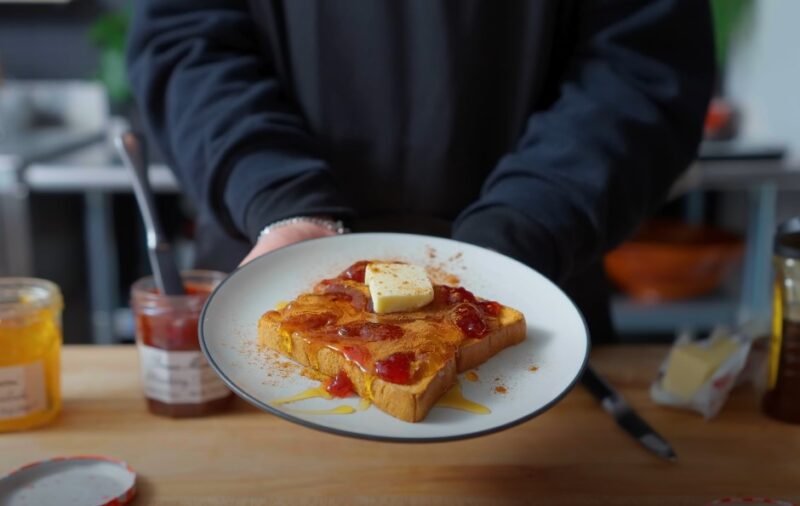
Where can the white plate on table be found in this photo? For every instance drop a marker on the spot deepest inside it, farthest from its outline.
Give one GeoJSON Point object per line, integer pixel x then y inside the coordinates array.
{"type": "Point", "coordinates": [535, 373]}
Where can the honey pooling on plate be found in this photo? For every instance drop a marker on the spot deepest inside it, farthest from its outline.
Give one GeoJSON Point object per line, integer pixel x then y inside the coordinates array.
{"type": "Point", "coordinates": [454, 398]}
{"type": "Point", "coordinates": [311, 393]}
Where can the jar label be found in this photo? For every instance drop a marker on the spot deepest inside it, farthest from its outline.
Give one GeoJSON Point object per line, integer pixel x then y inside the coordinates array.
{"type": "Point", "coordinates": [179, 377]}
{"type": "Point", "coordinates": [22, 390]}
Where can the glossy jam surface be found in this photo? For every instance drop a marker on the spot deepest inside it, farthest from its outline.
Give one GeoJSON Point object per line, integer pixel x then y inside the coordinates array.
{"type": "Point", "coordinates": [371, 331]}
{"type": "Point", "coordinates": [355, 272]}
{"type": "Point", "coordinates": [167, 328]}
{"type": "Point", "coordinates": [397, 347]}
{"type": "Point", "coordinates": [305, 322]}
{"type": "Point", "coordinates": [449, 295]}
{"type": "Point", "coordinates": [468, 318]}
{"type": "Point", "coordinates": [396, 368]}
{"type": "Point", "coordinates": [340, 385]}
{"type": "Point", "coordinates": [490, 308]}
{"type": "Point", "coordinates": [359, 355]}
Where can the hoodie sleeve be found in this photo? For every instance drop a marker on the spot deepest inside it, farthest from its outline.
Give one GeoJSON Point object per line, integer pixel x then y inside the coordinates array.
{"type": "Point", "coordinates": [626, 122]}
{"type": "Point", "coordinates": [212, 100]}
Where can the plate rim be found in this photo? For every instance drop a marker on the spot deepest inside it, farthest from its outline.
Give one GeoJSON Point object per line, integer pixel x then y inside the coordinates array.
{"type": "Point", "coordinates": [370, 437]}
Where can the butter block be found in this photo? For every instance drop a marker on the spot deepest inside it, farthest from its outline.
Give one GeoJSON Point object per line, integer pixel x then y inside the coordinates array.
{"type": "Point", "coordinates": [690, 366]}
{"type": "Point", "coordinates": [396, 287]}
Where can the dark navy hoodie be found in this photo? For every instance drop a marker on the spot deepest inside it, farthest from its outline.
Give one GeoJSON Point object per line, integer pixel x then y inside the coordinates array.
{"type": "Point", "coordinates": [545, 129]}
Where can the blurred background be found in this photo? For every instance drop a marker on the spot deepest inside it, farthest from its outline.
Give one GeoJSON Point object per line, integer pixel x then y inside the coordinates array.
{"type": "Point", "coordinates": [67, 213]}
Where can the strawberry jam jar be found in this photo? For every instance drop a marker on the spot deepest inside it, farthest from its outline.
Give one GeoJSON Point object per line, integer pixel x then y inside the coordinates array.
{"type": "Point", "coordinates": [177, 379]}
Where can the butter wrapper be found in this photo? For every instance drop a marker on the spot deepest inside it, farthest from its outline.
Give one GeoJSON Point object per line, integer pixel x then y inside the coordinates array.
{"type": "Point", "coordinates": [699, 374]}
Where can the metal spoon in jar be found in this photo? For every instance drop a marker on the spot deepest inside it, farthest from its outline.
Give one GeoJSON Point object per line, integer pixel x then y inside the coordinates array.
{"type": "Point", "coordinates": [131, 148]}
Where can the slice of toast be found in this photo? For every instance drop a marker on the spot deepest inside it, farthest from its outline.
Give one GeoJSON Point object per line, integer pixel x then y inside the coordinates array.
{"type": "Point", "coordinates": [440, 348]}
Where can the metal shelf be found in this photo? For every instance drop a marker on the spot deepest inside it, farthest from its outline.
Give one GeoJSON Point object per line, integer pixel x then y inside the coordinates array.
{"type": "Point", "coordinates": [94, 172]}
{"type": "Point", "coordinates": [701, 314]}
{"type": "Point", "coordinates": [59, 178]}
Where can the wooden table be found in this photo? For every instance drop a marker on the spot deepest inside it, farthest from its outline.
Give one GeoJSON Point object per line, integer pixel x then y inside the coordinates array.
{"type": "Point", "coordinates": [573, 454]}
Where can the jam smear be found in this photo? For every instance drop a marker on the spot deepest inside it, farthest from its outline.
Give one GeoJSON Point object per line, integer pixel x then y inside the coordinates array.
{"type": "Point", "coordinates": [490, 308]}
{"type": "Point", "coordinates": [359, 355]}
{"type": "Point", "coordinates": [340, 385]}
{"type": "Point", "coordinates": [469, 320]}
{"type": "Point", "coordinates": [355, 272]}
{"type": "Point", "coordinates": [454, 295]}
{"type": "Point", "coordinates": [369, 331]}
{"type": "Point", "coordinates": [356, 298]}
{"type": "Point", "coordinates": [451, 295]}
{"type": "Point", "coordinates": [308, 321]}
{"type": "Point", "coordinates": [460, 294]}
{"type": "Point", "coordinates": [396, 368]}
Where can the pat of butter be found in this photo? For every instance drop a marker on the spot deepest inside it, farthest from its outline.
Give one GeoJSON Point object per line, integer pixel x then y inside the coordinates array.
{"type": "Point", "coordinates": [397, 287]}
{"type": "Point", "coordinates": [690, 366]}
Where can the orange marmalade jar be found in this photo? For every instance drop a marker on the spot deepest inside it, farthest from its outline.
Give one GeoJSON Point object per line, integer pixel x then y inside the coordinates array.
{"type": "Point", "coordinates": [177, 379]}
{"type": "Point", "coordinates": [30, 352]}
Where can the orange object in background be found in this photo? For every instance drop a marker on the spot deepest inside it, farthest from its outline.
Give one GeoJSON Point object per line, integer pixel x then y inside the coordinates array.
{"type": "Point", "coordinates": [177, 379]}
{"type": "Point", "coordinates": [669, 260]}
{"type": "Point", "coordinates": [30, 353]}
{"type": "Point", "coordinates": [721, 121]}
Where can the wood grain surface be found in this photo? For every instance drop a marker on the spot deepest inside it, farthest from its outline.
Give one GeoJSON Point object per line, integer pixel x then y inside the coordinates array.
{"type": "Point", "coordinates": [573, 454]}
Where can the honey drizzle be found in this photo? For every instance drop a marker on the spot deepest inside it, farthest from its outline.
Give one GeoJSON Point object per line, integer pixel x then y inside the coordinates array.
{"type": "Point", "coordinates": [320, 392]}
{"type": "Point", "coordinates": [286, 342]}
{"type": "Point", "coordinates": [455, 399]}
{"type": "Point", "coordinates": [368, 387]}
{"type": "Point", "coordinates": [338, 410]}
{"type": "Point", "coordinates": [306, 394]}
{"type": "Point", "coordinates": [313, 359]}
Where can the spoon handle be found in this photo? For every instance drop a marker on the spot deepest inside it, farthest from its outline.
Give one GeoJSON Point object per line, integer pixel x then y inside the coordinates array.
{"type": "Point", "coordinates": [131, 149]}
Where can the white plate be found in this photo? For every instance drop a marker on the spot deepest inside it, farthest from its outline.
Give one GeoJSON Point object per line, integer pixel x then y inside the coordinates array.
{"type": "Point", "coordinates": [556, 344]}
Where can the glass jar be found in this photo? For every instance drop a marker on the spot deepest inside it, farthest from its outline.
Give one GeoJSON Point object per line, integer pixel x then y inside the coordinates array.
{"type": "Point", "coordinates": [30, 352]}
{"type": "Point", "coordinates": [782, 399]}
{"type": "Point", "coordinates": [177, 379]}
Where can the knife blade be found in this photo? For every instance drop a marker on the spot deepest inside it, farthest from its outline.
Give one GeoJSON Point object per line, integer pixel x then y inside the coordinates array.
{"type": "Point", "coordinates": [615, 405]}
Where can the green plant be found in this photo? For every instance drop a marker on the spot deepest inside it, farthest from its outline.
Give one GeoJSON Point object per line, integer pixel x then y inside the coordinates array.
{"type": "Point", "coordinates": [109, 34]}
{"type": "Point", "coordinates": [728, 15]}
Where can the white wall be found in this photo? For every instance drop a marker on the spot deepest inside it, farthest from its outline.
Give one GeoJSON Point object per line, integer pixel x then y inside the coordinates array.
{"type": "Point", "coordinates": [763, 75]}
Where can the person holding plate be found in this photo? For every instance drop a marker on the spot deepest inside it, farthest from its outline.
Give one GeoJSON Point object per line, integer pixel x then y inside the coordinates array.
{"type": "Point", "coordinates": [546, 130]}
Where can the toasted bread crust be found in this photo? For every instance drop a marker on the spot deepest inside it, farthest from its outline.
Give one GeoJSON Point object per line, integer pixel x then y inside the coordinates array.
{"type": "Point", "coordinates": [406, 402]}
